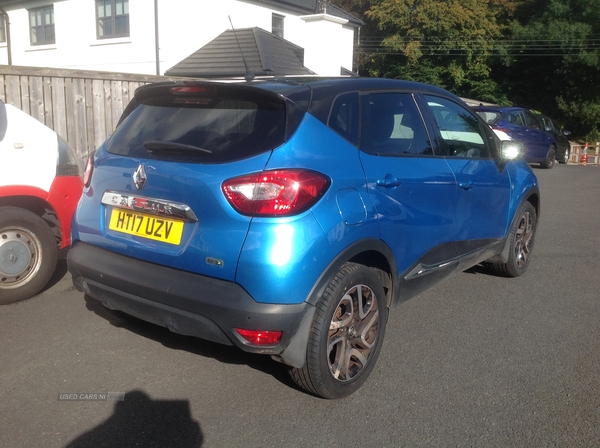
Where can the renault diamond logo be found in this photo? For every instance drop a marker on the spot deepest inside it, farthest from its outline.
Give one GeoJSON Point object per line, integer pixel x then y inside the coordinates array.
{"type": "Point", "coordinates": [139, 177]}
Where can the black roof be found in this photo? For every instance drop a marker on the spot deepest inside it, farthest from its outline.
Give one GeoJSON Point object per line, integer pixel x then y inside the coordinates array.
{"type": "Point", "coordinates": [264, 53]}
{"type": "Point", "coordinates": [312, 93]}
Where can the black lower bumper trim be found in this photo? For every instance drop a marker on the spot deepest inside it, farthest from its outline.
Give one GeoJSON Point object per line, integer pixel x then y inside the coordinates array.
{"type": "Point", "coordinates": [184, 302]}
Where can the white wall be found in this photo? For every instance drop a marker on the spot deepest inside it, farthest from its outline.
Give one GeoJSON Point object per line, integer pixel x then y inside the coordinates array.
{"type": "Point", "coordinates": [185, 27]}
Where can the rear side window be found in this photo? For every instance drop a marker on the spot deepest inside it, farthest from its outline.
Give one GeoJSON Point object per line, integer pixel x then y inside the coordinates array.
{"type": "Point", "coordinates": [391, 125]}
{"type": "Point", "coordinates": [490, 117]}
{"type": "Point", "coordinates": [516, 118]}
{"type": "Point", "coordinates": [344, 116]}
{"type": "Point", "coordinates": [200, 129]}
{"type": "Point", "coordinates": [531, 121]}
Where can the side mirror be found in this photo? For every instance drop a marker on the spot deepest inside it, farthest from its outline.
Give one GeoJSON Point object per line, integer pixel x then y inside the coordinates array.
{"type": "Point", "coordinates": [511, 150]}
{"type": "Point", "coordinates": [548, 128]}
{"type": "Point", "coordinates": [566, 132]}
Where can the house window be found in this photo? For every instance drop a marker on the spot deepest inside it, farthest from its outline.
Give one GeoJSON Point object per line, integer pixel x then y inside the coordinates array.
{"type": "Point", "coordinates": [112, 18]}
{"type": "Point", "coordinates": [277, 25]}
{"type": "Point", "coordinates": [2, 28]}
{"type": "Point", "coordinates": [41, 25]}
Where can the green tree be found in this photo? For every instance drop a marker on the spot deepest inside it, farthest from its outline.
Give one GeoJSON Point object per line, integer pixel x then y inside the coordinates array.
{"type": "Point", "coordinates": [553, 63]}
{"type": "Point", "coordinates": [448, 43]}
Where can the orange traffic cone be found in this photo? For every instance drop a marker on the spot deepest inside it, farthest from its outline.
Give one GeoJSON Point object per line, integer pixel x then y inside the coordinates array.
{"type": "Point", "coordinates": [583, 159]}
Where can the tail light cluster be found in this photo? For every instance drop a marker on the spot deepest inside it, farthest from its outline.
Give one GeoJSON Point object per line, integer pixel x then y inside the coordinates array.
{"type": "Point", "coordinates": [89, 168]}
{"type": "Point", "coordinates": [275, 193]}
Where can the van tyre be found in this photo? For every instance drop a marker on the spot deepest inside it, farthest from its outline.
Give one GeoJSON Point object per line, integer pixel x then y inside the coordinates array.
{"type": "Point", "coordinates": [28, 254]}
{"type": "Point", "coordinates": [522, 239]}
{"type": "Point", "coordinates": [346, 334]}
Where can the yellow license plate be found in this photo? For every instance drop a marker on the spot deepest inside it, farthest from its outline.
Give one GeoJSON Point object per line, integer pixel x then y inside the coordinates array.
{"type": "Point", "coordinates": [156, 228]}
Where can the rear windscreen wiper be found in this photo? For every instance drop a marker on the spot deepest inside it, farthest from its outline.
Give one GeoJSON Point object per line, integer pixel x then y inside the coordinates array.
{"type": "Point", "coordinates": [157, 145]}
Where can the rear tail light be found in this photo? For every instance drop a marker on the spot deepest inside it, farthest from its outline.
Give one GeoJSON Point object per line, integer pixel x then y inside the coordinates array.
{"type": "Point", "coordinates": [275, 193]}
{"type": "Point", "coordinates": [258, 337]}
{"type": "Point", "coordinates": [89, 168]}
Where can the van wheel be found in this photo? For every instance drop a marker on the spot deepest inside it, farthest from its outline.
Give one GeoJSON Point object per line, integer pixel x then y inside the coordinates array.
{"type": "Point", "coordinates": [346, 334]}
{"type": "Point", "coordinates": [28, 254]}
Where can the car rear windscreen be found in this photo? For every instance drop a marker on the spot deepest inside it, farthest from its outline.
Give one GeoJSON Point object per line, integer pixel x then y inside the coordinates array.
{"type": "Point", "coordinates": [200, 129]}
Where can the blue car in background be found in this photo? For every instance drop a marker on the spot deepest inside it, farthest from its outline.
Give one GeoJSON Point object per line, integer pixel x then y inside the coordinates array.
{"type": "Point", "coordinates": [523, 126]}
{"type": "Point", "coordinates": [286, 217]}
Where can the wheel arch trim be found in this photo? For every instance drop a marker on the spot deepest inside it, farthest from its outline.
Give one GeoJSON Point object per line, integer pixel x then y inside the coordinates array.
{"type": "Point", "coordinates": [533, 197]}
{"type": "Point", "coordinates": [370, 252]}
{"type": "Point", "coordinates": [371, 249]}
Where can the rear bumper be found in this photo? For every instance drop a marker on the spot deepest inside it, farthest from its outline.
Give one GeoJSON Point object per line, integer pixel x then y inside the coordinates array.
{"type": "Point", "coordinates": [185, 303]}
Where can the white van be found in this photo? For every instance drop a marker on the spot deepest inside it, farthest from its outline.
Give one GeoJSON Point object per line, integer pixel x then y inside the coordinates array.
{"type": "Point", "coordinates": [40, 185]}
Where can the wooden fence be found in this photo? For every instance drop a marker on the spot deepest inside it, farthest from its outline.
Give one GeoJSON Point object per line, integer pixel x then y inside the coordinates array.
{"type": "Point", "coordinates": [593, 153]}
{"type": "Point", "coordinates": [83, 107]}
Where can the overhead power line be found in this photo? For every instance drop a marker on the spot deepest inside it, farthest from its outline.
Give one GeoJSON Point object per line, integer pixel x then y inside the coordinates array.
{"type": "Point", "coordinates": [511, 47]}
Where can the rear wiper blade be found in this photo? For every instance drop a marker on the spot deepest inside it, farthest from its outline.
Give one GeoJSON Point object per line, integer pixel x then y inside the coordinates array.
{"type": "Point", "coordinates": [157, 145]}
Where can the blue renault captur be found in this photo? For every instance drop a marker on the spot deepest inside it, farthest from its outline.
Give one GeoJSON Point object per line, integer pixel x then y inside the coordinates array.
{"type": "Point", "coordinates": [287, 216]}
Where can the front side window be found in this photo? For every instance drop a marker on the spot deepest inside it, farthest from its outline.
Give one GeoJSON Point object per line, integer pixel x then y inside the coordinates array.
{"type": "Point", "coordinates": [277, 25]}
{"type": "Point", "coordinates": [41, 25]}
{"type": "Point", "coordinates": [460, 131]}
{"type": "Point", "coordinates": [392, 126]}
{"type": "Point", "coordinates": [112, 18]}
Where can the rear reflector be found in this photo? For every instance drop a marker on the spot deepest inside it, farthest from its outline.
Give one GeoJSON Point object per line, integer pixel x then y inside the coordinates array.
{"type": "Point", "coordinates": [257, 337]}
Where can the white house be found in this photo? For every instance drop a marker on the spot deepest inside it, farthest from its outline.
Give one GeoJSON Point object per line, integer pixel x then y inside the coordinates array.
{"type": "Point", "coordinates": [151, 36]}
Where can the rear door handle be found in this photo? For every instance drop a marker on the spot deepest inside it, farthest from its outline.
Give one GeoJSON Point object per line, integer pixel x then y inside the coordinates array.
{"type": "Point", "coordinates": [389, 182]}
{"type": "Point", "coordinates": [466, 185]}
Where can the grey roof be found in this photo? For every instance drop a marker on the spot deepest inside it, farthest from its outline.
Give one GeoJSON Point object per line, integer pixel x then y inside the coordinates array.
{"type": "Point", "coordinates": [265, 54]}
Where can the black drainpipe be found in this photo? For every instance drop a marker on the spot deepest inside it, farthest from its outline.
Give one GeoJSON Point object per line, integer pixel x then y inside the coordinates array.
{"type": "Point", "coordinates": [7, 23]}
{"type": "Point", "coordinates": [156, 43]}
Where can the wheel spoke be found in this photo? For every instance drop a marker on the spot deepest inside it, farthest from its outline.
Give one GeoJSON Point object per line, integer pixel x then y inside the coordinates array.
{"type": "Point", "coordinates": [339, 364]}
{"type": "Point", "coordinates": [364, 301]}
{"type": "Point", "coordinates": [352, 332]}
{"type": "Point", "coordinates": [368, 332]}
{"type": "Point", "coordinates": [523, 239]}
{"type": "Point", "coordinates": [344, 313]}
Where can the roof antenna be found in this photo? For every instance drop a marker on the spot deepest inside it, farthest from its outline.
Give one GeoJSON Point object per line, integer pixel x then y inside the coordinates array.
{"type": "Point", "coordinates": [248, 76]}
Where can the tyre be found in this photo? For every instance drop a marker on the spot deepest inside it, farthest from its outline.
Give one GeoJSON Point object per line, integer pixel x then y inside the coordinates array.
{"type": "Point", "coordinates": [28, 254]}
{"type": "Point", "coordinates": [550, 158]}
{"type": "Point", "coordinates": [565, 158]}
{"type": "Point", "coordinates": [346, 334]}
{"type": "Point", "coordinates": [522, 238]}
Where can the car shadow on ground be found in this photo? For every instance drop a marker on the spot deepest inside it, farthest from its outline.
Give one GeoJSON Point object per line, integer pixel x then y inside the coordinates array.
{"type": "Point", "coordinates": [59, 272]}
{"type": "Point", "coordinates": [138, 420]}
{"type": "Point", "coordinates": [479, 269]}
{"type": "Point", "coordinates": [223, 353]}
